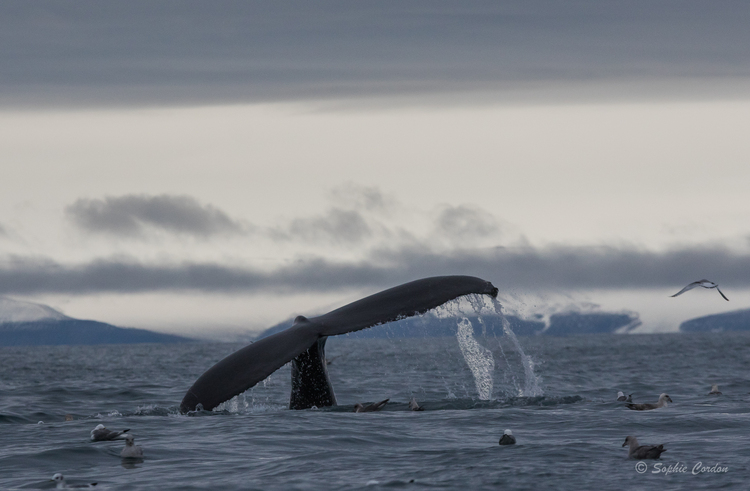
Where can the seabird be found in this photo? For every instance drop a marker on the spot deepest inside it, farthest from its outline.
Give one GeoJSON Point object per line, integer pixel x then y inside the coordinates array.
{"type": "Point", "coordinates": [61, 484]}
{"type": "Point", "coordinates": [643, 451]}
{"type": "Point", "coordinates": [131, 450]}
{"type": "Point", "coordinates": [704, 284]}
{"type": "Point", "coordinates": [101, 434]}
{"type": "Point", "coordinates": [715, 390]}
{"type": "Point", "coordinates": [414, 405]}
{"type": "Point", "coordinates": [663, 399]}
{"type": "Point", "coordinates": [621, 397]}
{"type": "Point", "coordinates": [507, 438]}
{"type": "Point", "coordinates": [377, 406]}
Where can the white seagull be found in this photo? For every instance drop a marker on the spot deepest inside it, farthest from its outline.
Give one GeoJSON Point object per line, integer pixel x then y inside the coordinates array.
{"type": "Point", "coordinates": [101, 434]}
{"type": "Point", "coordinates": [704, 284]}
{"type": "Point", "coordinates": [61, 484]}
{"type": "Point", "coordinates": [131, 450]}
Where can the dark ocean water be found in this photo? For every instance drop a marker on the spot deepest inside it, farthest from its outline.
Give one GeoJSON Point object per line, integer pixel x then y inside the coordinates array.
{"type": "Point", "coordinates": [569, 437]}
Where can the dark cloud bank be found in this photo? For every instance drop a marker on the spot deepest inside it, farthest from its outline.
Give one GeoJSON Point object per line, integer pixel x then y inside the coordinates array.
{"type": "Point", "coordinates": [165, 52]}
{"type": "Point", "coordinates": [558, 268]}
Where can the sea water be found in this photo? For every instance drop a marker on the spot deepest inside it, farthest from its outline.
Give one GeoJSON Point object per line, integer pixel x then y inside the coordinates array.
{"type": "Point", "coordinates": [569, 428]}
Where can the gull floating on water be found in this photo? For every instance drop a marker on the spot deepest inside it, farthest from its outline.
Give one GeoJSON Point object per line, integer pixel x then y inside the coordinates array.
{"type": "Point", "coordinates": [621, 397]}
{"type": "Point", "coordinates": [715, 390]}
{"type": "Point", "coordinates": [414, 405]}
{"type": "Point", "coordinates": [507, 438]}
{"type": "Point", "coordinates": [704, 284]}
{"type": "Point", "coordinates": [131, 450]}
{"type": "Point", "coordinates": [61, 484]}
{"type": "Point", "coordinates": [663, 399]}
{"type": "Point", "coordinates": [641, 452]}
{"type": "Point", "coordinates": [377, 406]}
{"type": "Point", "coordinates": [102, 434]}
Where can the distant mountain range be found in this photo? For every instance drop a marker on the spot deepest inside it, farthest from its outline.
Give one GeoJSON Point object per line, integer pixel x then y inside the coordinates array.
{"type": "Point", "coordinates": [739, 320]}
{"type": "Point", "coordinates": [562, 324]}
{"type": "Point", "coordinates": [31, 324]}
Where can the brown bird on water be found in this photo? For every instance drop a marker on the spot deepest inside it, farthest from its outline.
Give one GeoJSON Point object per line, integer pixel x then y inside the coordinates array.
{"type": "Point", "coordinates": [641, 452]}
{"type": "Point", "coordinates": [377, 406]}
{"type": "Point", "coordinates": [663, 399]}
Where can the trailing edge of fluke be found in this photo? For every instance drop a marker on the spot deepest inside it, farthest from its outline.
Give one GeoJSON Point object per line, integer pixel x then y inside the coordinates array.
{"type": "Point", "coordinates": [304, 342]}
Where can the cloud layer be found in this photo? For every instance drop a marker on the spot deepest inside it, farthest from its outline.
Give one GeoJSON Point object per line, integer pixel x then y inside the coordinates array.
{"type": "Point", "coordinates": [559, 268]}
{"type": "Point", "coordinates": [133, 216]}
{"type": "Point", "coordinates": [466, 222]}
{"type": "Point", "coordinates": [186, 52]}
{"type": "Point", "coordinates": [337, 226]}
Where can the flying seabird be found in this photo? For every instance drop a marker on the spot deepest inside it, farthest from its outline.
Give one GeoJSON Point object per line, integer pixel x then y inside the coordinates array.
{"type": "Point", "coordinates": [704, 284]}
{"type": "Point", "coordinates": [101, 434]}
{"type": "Point", "coordinates": [663, 399]}
{"type": "Point", "coordinates": [61, 484]}
{"type": "Point", "coordinates": [414, 405]}
{"type": "Point", "coordinates": [621, 397]}
{"type": "Point", "coordinates": [507, 438]}
{"type": "Point", "coordinates": [715, 390]}
{"type": "Point", "coordinates": [131, 450]}
{"type": "Point", "coordinates": [377, 406]}
{"type": "Point", "coordinates": [643, 451]}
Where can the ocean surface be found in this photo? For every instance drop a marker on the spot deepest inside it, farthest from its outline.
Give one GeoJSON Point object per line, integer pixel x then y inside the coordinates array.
{"type": "Point", "coordinates": [558, 399]}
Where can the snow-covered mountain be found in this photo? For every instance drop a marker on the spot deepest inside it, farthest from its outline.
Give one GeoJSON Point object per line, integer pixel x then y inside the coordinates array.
{"type": "Point", "coordinates": [738, 320]}
{"type": "Point", "coordinates": [20, 311]}
{"type": "Point", "coordinates": [32, 324]}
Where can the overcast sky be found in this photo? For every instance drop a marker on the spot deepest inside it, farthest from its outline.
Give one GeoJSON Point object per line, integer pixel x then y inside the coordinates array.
{"type": "Point", "coordinates": [213, 166]}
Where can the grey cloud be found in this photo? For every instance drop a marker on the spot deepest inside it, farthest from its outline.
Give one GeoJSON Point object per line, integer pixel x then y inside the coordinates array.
{"type": "Point", "coordinates": [366, 198]}
{"type": "Point", "coordinates": [3, 232]}
{"type": "Point", "coordinates": [554, 268]}
{"type": "Point", "coordinates": [172, 52]}
{"type": "Point", "coordinates": [466, 222]}
{"type": "Point", "coordinates": [135, 215]}
{"type": "Point", "coordinates": [336, 226]}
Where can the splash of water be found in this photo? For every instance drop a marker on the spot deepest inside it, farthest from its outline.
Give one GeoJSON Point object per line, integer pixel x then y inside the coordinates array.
{"type": "Point", "coordinates": [480, 360]}
{"type": "Point", "coordinates": [531, 380]}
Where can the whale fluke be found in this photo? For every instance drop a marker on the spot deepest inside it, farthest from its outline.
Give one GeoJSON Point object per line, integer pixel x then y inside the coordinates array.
{"type": "Point", "coordinates": [304, 343]}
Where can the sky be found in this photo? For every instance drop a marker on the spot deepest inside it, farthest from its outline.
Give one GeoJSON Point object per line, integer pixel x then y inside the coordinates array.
{"type": "Point", "coordinates": [213, 168]}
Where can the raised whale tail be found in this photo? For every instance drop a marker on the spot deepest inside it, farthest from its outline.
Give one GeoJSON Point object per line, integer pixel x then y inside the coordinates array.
{"type": "Point", "coordinates": [304, 342]}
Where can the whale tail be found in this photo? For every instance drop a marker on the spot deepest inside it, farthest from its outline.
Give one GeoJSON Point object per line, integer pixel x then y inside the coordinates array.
{"type": "Point", "coordinates": [304, 343]}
